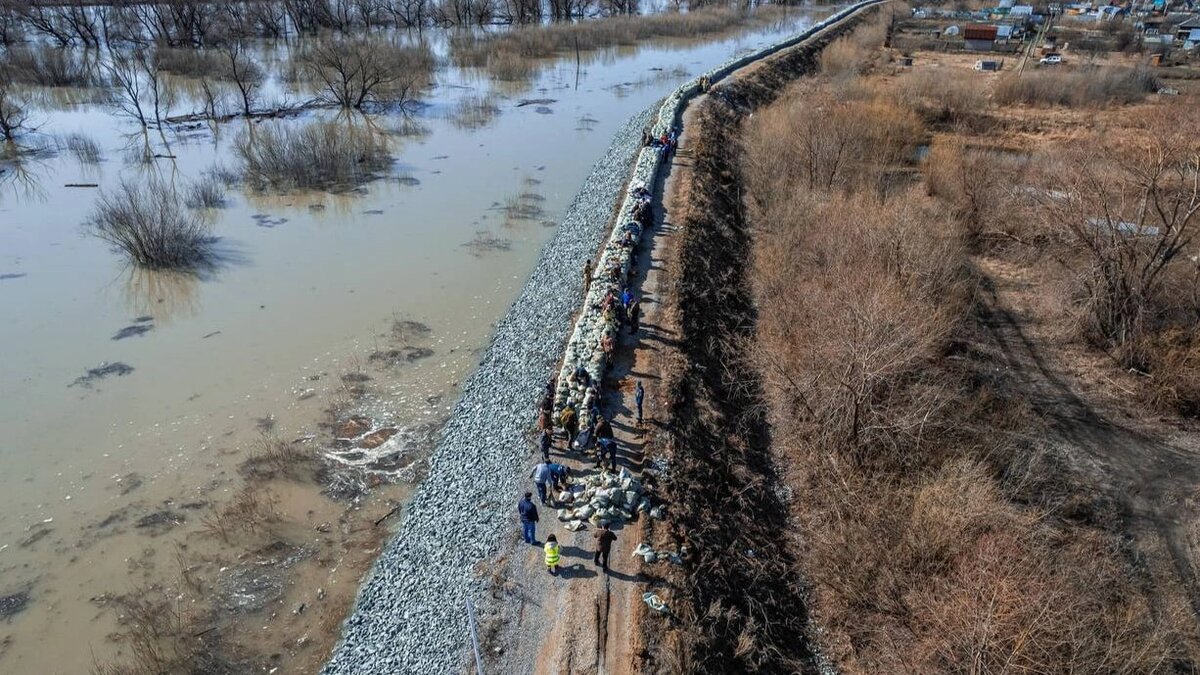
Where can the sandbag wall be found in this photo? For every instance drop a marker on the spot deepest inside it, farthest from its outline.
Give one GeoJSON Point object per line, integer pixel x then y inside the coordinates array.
{"type": "Point", "coordinates": [584, 346]}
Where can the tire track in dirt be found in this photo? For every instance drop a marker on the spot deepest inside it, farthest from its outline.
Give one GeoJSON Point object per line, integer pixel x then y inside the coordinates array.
{"type": "Point", "coordinates": [1149, 479]}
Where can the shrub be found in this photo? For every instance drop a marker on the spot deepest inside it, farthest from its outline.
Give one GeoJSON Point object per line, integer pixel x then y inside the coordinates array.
{"type": "Point", "coordinates": [187, 61]}
{"type": "Point", "coordinates": [320, 154]}
{"type": "Point", "coordinates": [816, 140]}
{"type": "Point", "coordinates": [48, 66]}
{"type": "Point", "coordinates": [953, 97]}
{"type": "Point", "coordinates": [472, 49]}
{"type": "Point", "coordinates": [206, 193]}
{"type": "Point", "coordinates": [147, 223]}
{"type": "Point", "coordinates": [1082, 87]}
{"type": "Point", "coordinates": [84, 148]}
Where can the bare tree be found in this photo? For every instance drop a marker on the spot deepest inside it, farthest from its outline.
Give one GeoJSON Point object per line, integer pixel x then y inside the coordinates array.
{"type": "Point", "coordinates": [213, 98]}
{"type": "Point", "coordinates": [407, 12]}
{"type": "Point", "coordinates": [124, 75]}
{"type": "Point", "coordinates": [1132, 211]}
{"type": "Point", "coordinates": [352, 72]}
{"type": "Point", "coordinates": [245, 73]}
{"type": "Point", "coordinates": [14, 113]}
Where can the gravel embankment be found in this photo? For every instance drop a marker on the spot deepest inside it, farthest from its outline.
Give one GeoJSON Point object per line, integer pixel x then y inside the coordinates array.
{"type": "Point", "coordinates": [410, 615]}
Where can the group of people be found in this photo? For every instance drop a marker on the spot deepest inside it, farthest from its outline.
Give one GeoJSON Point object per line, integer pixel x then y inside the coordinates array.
{"type": "Point", "coordinates": [552, 549]}
{"type": "Point", "coordinates": [619, 307]}
{"type": "Point", "coordinates": [665, 142]}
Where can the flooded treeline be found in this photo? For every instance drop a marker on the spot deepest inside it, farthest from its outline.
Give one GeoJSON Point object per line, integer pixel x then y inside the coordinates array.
{"type": "Point", "coordinates": [196, 23]}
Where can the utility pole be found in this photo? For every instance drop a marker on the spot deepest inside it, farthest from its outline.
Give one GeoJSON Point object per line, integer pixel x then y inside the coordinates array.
{"type": "Point", "coordinates": [474, 638]}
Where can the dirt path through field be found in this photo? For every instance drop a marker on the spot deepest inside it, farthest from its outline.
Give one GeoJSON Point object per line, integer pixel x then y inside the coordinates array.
{"type": "Point", "coordinates": [1148, 470]}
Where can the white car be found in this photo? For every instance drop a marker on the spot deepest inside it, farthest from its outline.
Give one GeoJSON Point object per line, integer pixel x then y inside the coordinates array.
{"type": "Point", "coordinates": [1051, 60]}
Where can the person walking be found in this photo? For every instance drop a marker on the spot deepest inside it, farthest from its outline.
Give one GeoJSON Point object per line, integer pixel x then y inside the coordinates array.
{"type": "Point", "coordinates": [541, 476]}
{"type": "Point", "coordinates": [552, 554]}
{"type": "Point", "coordinates": [529, 518]}
{"type": "Point", "coordinates": [604, 541]}
{"type": "Point", "coordinates": [639, 396]}
{"type": "Point", "coordinates": [635, 315]}
{"type": "Point", "coordinates": [587, 275]}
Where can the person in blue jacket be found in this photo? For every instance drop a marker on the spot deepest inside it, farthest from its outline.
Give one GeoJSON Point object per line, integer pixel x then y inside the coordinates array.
{"type": "Point", "coordinates": [529, 518]}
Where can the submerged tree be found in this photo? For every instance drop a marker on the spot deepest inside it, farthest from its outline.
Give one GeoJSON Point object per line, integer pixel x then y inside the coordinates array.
{"type": "Point", "coordinates": [353, 72]}
{"type": "Point", "coordinates": [14, 113]}
{"type": "Point", "coordinates": [245, 73]}
{"type": "Point", "coordinates": [148, 222]}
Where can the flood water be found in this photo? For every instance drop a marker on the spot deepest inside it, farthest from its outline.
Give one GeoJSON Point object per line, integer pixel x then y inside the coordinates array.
{"type": "Point", "coordinates": [308, 286]}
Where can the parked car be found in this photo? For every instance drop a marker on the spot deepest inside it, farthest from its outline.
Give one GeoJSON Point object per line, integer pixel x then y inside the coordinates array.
{"type": "Point", "coordinates": [1051, 60]}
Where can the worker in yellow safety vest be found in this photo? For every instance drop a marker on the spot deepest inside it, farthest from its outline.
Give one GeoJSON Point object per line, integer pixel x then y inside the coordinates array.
{"type": "Point", "coordinates": [552, 554]}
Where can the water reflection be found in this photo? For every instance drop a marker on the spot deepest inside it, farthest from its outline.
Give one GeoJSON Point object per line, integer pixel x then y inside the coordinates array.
{"type": "Point", "coordinates": [474, 111]}
{"type": "Point", "coordinates": [164, 295]}
{"type": "Point", "coordinates": [20, 178]}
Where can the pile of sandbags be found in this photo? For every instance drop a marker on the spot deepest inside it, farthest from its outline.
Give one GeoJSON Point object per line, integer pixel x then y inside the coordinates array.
{"type": "Point", "coordinates": [651, 556]}
{"type": "Point", "coordinates": [603, 499]}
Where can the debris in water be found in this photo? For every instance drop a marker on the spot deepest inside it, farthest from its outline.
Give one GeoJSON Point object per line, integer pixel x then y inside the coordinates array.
{"type": "Point", "coordinates": [136, 330]}
{"type": "Point", "coordinates": [36, 533]}
{"type": "Point", "coordinates": [12, 275]}
{"type": "Point", "coordinates": [393, 357]}
{"type": "Point", "coordinates": [535, 101]}
{"type": "Point", "coordinates": [12, 604]}
{"type": "Point", "coordinates": [159, 521]}
{"type": "Point", "coordinates": [100, 372]}
{"type": "Point", "coordinates": [265, 220]}
{"type": "Point", "coordinates": [485, 242]}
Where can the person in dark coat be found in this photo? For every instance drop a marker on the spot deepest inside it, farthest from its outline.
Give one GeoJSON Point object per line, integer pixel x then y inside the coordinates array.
{"type": "Point", "coordinates": [604, 541]}
{"type": "Point", "coordinates": [603, 428]}
{"type": "Point", "coordinates": [606, 447]}
{"type": "Point", "coordinates": [545, 442]}
{"type": "Point", "coordinates": [529, 518]}
{"type": "Point", "coordinates": [635, 315]}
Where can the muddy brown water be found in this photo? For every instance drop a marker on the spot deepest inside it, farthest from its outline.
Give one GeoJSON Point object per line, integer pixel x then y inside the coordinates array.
{"type": "Point", "coordinates": [129, 397]}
